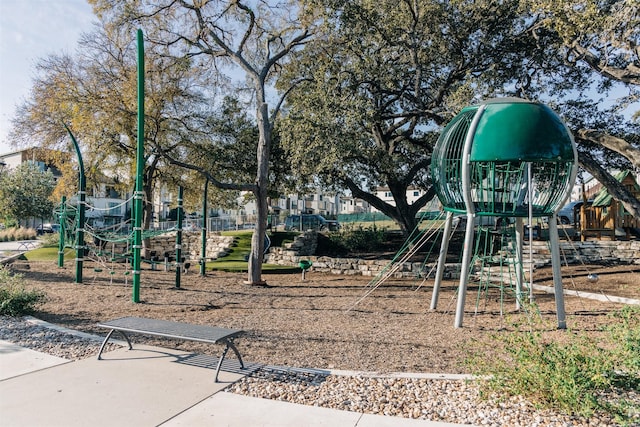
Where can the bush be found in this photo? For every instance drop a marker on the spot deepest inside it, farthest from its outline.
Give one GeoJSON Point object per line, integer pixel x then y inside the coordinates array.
{"type": "Point", "coordinates": [17, 233]}
{"type": "Point", "coordinates": [359, 239]}
{"type": "Point", "coordinates": [50, 240]}
{"type": "Point", "coordinates": [15, 300]}
{"type": "Point", "coordinates": [572, 375]}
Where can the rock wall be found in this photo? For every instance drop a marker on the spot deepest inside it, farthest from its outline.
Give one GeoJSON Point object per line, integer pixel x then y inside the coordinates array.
{"type": "Point", "coordinates": [217, 246]}
{"type": "Point", "coordinates": [304, 246]}
{"type": "Point", "coordinates": [598, 252]}
{"type": "Point", "coordinates": [592, 251]}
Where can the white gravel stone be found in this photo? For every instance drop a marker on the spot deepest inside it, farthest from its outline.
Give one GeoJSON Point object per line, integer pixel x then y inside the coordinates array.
{"type": "Point", "coordinates": [446, 400]}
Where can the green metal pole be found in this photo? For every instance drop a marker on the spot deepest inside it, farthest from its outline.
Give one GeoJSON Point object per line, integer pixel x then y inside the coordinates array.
{"type": "Point", "coordinates": [62, 219]}
{"type": "Point", "coordinates": [80, 218]}
{"type": "Point", "coordinates": [139, 193]}
{"type": "Point", "coordinates": [203, 252]}
{"type": "Point", "coordinates": [179, 238]}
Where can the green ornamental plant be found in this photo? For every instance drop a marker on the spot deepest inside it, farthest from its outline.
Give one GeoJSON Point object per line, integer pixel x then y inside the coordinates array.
{"type": "Point", "coordinates": [572, 374]}
{"type": "Point", "coordinates": [358, 238]}
{"type": "Point", "coordinates": [15, 300]}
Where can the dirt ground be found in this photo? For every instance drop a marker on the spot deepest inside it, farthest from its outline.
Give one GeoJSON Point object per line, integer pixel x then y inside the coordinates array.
{"type": "Point", "coordinates": [324, 321]}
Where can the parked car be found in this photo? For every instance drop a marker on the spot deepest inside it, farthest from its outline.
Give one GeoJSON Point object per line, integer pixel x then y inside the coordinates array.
{"type": "Point", "coordinates": [310, 222]}
{"type": "Point", "coordinates": [47, 228]}
{"type": "Point", "coordinates": [570, 213]}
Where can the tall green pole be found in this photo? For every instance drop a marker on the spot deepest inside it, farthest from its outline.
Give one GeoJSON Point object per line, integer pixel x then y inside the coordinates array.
{"type": "Point", "coordinates": [203, 252]}
{"type": "Point", "coordinates": [139, 193]}
{"type": "Point", "coordinates": [80, 216]}
{"type": "Point", "coordinates": [62, 220]}
{"type": "Point", "coordinates": [179, 238]}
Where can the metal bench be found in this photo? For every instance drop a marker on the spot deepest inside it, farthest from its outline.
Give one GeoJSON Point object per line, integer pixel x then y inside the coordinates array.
{"type": "Point", "coordinates": [176, 330]}
{"type": "Point", "coordinates": [26, 245]}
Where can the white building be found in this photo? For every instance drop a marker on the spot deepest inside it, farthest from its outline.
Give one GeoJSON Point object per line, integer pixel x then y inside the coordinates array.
{"type": "Point", "coordinates": [327, 205]}
{"type": "Point", "coordinates": [37, 156]}
{"type": "Point", "coordinates": [353, 205]}
{"type": "Point", "coordinates": [412, 195]}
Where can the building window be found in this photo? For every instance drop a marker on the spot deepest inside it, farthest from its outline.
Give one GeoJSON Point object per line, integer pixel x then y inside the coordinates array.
{"type": "Point", "coordinates": [416, 193]}
{"type": "Point", "coordinates": [114, 209]}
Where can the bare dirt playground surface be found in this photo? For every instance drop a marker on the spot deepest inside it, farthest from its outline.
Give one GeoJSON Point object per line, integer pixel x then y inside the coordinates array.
{"type": "Point", "coordinates": [316, 323]}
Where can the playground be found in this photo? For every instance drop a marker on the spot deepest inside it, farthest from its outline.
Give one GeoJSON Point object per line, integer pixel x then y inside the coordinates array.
{"type": "Point", "coordinates": [314, 323]}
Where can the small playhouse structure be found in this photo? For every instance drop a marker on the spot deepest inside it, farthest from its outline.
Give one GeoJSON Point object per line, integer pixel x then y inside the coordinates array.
{"type": "Point", "coordinates": [606, 217]}
{"type": "Point", "coordinates": [509, 159]}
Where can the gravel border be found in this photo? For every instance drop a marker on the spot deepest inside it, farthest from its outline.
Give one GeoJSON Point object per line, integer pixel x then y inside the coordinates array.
{"type": "Point", "coordinates": [435, 397]}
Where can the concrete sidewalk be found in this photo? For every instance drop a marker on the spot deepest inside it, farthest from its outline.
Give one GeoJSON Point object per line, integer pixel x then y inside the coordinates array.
{"type": "Point", "coordinates": [148, 386]}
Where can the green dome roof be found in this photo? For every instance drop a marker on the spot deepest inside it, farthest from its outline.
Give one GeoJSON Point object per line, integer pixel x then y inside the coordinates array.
{"type": "Point", "coordinates": [515, 129]}
{"type": "Point", "coordinates": [507, 137]}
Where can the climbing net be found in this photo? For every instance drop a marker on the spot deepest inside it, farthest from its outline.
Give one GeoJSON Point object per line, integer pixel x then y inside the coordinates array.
{"type": "Point", "coordinates": [105, 244]}
{"type": "Point", "coordinates": [415, 242]}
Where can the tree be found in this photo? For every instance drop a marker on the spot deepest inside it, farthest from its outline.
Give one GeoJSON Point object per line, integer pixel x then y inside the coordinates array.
{"type": "Point", "coordinates": [25, 192]}
{"type": "Point", "coordinates": [247, 38]}
{"type": "Point", "coordinates": [94, 93]}
{"type": "Point", "coordinates": [602, 36]}
{"type": "Point", "coordinates": [383, 78]}
{"type": "Point", "coordinates": [231, 140]}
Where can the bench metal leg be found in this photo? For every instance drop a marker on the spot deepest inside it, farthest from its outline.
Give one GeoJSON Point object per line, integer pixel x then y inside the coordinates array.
{"type": "Point", "coordinates": [106, 339]}
{"type": "Point", "coordinates": [235, 350]}
{"type": "Point", "coordinates": [224, 353]}
{"type": "Point", "coordinates": [229, 345]}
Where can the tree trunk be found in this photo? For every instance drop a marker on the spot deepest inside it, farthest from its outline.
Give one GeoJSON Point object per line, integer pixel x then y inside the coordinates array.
{"type": "Point", "coordinates": [403, 213]}
{"type": "Point", "coordinates": [260, 193]}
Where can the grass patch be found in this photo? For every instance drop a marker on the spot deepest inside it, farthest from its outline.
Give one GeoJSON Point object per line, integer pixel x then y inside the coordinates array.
{"type": "Point", "coordinates": [236, 258]}
{"type": "Point", "coordinates": [243, 266]}
{"type": "Point", "coordinates": [47, 254]}
{"type": "Point", "coordinates": [279, 238]}
{"type": "Point", "coordinates": [15, 233]}
{"type": "Point", "coordinates": [571, 375]}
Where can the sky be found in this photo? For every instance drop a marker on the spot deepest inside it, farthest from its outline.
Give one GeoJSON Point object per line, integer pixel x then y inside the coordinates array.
{"type": "Point", "coordinates": [29, 30]}
{"type": "Point", "coordinates": [33, 29]}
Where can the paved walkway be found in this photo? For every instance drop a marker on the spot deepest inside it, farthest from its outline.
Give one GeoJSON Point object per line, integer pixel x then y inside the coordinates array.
{"type": "Point", "coordinates": [10, 251]}
{"type": "Point", "coordinates": [148, 386]}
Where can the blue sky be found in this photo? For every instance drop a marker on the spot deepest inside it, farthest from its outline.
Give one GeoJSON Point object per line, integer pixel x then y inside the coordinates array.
{"type": "Point", "coordinates": [29, 30]}
{"type": "Point", "coordinates": [32, 29]}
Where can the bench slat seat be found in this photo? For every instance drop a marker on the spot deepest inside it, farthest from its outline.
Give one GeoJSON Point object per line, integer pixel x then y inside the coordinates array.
{"type": "Point", "coordinates": [175, 330]}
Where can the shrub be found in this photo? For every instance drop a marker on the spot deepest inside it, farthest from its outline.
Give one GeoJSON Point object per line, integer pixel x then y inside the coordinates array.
{"type": "Point", "coordinates": [50, 240]}
{"type": "Point", "coordinates": [15, 233]}
{"type": "Point", "coordinates": [15, 300]}
{"type": "Point", "coordinates": [365, 239]}
{"type": "Point", "coordinates": [572, 375]}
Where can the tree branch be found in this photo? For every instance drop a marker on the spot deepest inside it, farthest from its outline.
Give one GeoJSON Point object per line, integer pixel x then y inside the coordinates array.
{"type": "Point", "coordinates": [617, 191]}
{"type": "Point", "coordinates": [207, 174]}
{"type": "Point", "coordinates": [613, 143]}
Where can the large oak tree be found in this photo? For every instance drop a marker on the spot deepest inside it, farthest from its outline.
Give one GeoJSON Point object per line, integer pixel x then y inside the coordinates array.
{"type": "Point", "coordinates": [603, 36]}
{"type": "Point", "coordinates": [382, 80]}
{"type": "Point", "coordinates": [238, 39]}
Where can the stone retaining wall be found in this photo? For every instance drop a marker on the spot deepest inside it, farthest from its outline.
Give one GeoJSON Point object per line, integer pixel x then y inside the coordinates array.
{"type": "Point", "coordinates": [591, 251]}
{"type": "Point", "coordinates": [598, 252]}
{"type": "Point", "coordinates": [217, 245]}
{"type": "Point", "coordinates": [304, 246]}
